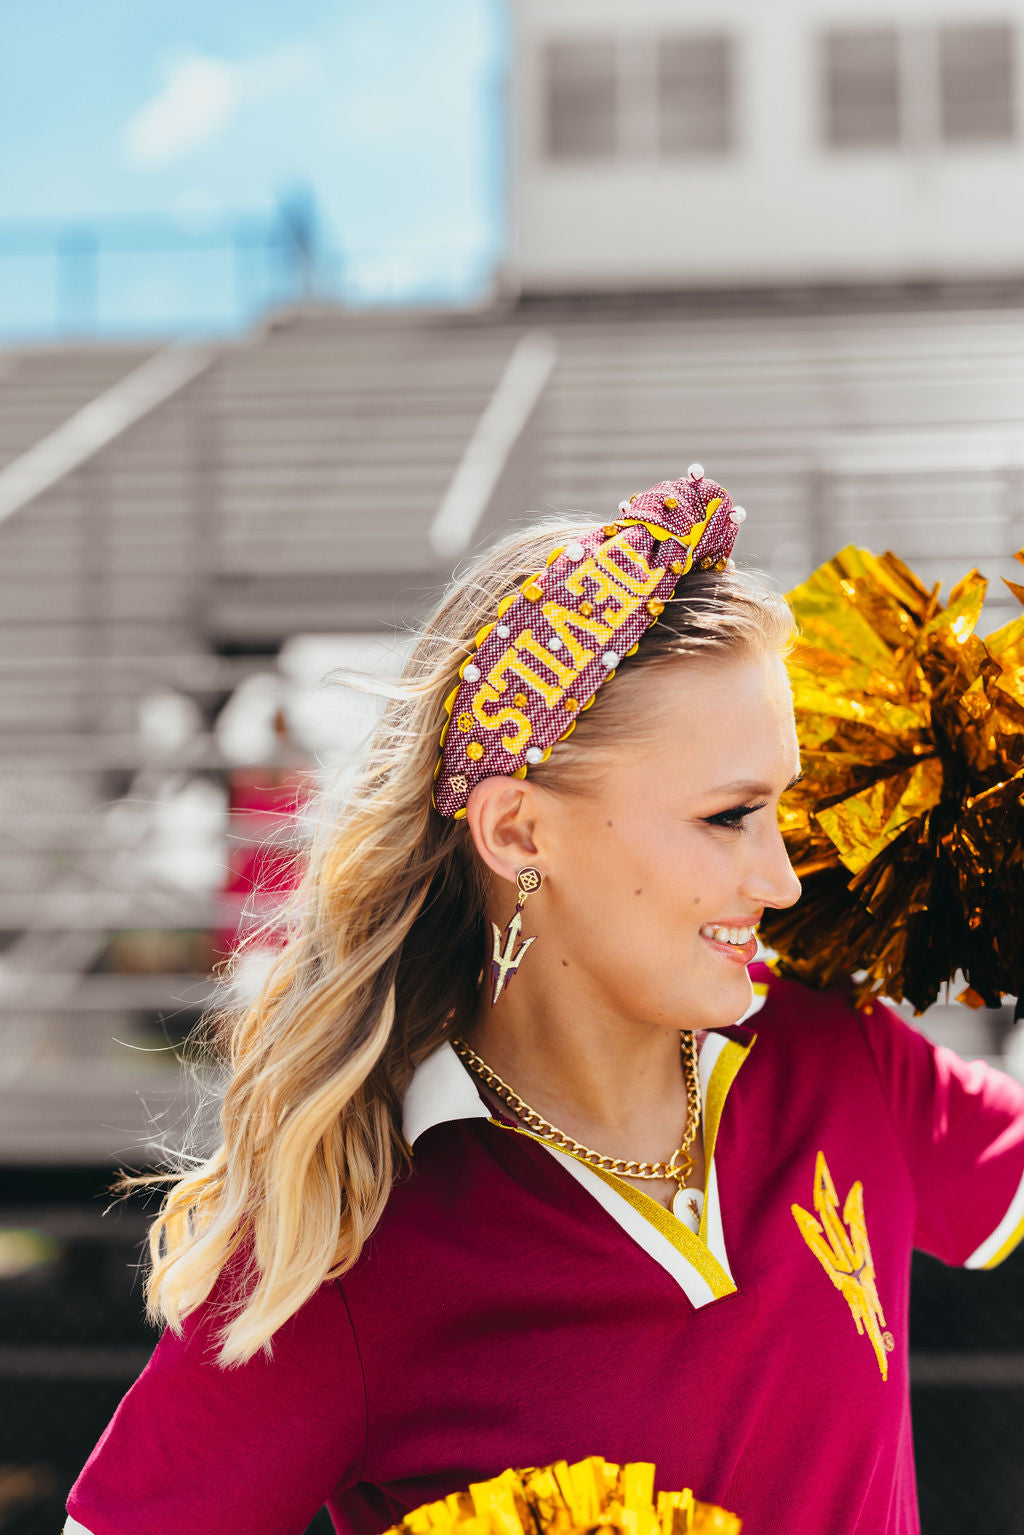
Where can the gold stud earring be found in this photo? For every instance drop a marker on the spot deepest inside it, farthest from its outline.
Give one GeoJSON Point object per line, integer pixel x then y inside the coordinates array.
{"type": "Point", "coordinates": [505, 961]}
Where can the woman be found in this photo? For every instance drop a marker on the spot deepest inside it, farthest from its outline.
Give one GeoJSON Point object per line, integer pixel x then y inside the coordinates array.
{"type": "Point", "coordinates": [503, 1186]}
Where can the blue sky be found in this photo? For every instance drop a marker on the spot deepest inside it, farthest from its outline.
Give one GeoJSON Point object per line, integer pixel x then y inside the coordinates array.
{"type": "Point", "coordinates": [389, 111]}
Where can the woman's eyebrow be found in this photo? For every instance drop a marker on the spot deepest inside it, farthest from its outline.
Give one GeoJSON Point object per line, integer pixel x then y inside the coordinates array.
{"type": "Point", "coordinates": [748, 786]}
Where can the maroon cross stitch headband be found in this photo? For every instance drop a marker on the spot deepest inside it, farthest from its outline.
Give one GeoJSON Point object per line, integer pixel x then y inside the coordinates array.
{"type": "Point", "coordinates": [533, 671]}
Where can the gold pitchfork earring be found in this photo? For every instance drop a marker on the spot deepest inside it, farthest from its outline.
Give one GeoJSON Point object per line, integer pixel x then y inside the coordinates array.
{"type": "Point", "coordinates": [505, 961]}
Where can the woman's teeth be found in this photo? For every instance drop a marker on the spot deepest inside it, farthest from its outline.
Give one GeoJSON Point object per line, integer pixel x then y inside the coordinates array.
{"type": "Point", "coordinates": [737, 935]}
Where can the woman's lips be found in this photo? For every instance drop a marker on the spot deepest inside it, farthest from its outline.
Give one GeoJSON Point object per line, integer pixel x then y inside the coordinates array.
{"type": "Point", "coordinates": [740, 954]}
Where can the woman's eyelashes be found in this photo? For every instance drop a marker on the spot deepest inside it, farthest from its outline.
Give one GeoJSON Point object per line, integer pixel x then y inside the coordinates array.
{"type": "Point", "coordinates": [734, 817]}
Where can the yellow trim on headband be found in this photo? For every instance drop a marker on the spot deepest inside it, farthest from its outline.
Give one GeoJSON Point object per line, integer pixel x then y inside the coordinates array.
{"type": "Point", "coordinates": [687, 540]}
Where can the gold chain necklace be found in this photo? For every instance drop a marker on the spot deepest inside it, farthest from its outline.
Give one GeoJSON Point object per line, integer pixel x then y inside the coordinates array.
{"type": "Point", "coordinates": [679, 1170]}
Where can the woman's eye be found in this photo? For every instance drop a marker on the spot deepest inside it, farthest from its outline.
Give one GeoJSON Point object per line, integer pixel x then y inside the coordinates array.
{"type": "Point", "coordinates": [733, 817]}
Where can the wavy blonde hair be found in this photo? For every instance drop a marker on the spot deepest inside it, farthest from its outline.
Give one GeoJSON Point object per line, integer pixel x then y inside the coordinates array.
{"type": "Point", "coordinates": [382, 961]}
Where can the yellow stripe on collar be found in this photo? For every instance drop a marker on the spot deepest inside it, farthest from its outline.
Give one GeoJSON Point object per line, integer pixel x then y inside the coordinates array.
{"type": "Point", "coordinates": [723, 1075]}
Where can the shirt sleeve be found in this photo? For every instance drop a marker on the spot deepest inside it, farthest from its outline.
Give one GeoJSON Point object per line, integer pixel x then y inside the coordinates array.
{"type": "Point", "coordinates": [961, 1124]}
{"type": "Point", "coordinates": [257, 1447]}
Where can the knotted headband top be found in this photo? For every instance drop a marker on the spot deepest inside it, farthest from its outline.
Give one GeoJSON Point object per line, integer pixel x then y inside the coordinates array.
{"type": "Point", "coordinates": [533, 670]}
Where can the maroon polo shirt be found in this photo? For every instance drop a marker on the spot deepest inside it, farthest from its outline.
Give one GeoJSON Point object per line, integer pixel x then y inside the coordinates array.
{"type": "Point", "coordinates": [514, 1307]}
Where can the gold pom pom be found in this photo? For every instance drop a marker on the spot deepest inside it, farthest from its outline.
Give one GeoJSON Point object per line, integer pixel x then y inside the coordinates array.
{"type": "Point", "coordinates": [655, 606]}
{"type": "Point", "coordinates": [572, 704]}
{"type": "Point", "coordinates": [520, 700]}
{"type": "Point", "coordinates": [474, 751]}
{"type": "Point", "coordinates": [533, 592]}
{"type": "Point", "coordinates": [912, 723]}
{"type": "Point", "coordinates": [586, 608]}
{"type": "Point", "coordinates": [610, 529]}
{"type": "Point", "coordinates": [670, 503]}
{"type": "Point", "coordinates": [569, 1500]}
{"type": "Point", "coordinates": [677, 567]}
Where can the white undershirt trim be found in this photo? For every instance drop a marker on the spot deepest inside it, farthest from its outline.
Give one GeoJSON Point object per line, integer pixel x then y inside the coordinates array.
{"type": "Point", "coordinates": [1005, 1237]}
{"type": "Point", "coordinates": [714, 1231]}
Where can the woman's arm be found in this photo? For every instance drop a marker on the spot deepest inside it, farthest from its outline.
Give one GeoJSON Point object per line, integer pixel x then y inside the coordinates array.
{"type": "Point", "coordinates": [961, 1126]}
{"type": "Point", "coordinates": [258, 1446]}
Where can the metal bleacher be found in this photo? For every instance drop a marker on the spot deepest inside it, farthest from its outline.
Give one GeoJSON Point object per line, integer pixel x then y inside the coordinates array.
{"type": "Point", "coordinates": [40, 388]}
{"type": "Point", "coordinates": [895, 430]}
{"type": "Point", "coordinates": [323, 475]}
{"type": "Point", "coordinates": [288, 484]}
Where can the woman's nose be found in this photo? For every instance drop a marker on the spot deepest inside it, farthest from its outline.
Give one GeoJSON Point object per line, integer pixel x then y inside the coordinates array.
{"type": "Point", "coordinates": [772, 880]}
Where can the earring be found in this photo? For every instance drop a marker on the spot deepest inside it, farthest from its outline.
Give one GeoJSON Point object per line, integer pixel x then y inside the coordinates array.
{"type": "Point", "coordinates": [506, 961]}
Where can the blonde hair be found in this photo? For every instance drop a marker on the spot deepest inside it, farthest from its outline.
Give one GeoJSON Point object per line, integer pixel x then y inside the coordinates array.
{"type": "Point", "coordinates": [382, 962]}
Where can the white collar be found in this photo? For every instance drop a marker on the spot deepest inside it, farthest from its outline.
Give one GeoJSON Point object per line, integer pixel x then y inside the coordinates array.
{"type": "Point", "coordinates": [441, 1089]}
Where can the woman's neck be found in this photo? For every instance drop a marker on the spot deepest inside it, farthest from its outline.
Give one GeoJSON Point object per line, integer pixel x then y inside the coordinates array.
{"type": "Point", "coordinates": [613, 1083]}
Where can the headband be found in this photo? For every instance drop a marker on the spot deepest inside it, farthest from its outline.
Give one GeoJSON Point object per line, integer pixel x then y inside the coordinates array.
{"type": "Point", "coordinates": [533, 671]}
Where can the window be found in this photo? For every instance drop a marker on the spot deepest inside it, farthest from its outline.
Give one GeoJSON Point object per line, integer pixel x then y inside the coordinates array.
{"type": "Point", "coordinates": [695, 94]}
{"type": "Point", "coordinates": [861, 80]}
{"type": "Point", "coordinates": [580, 89]}
{"type": "Point", "coordinates": [976, 80]}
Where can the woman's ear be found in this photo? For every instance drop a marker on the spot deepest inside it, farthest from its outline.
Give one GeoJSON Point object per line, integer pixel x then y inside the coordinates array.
{"type": "Point", "coordinates": [501, 813]}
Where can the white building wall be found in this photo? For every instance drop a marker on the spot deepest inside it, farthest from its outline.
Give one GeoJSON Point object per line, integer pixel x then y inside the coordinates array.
{"type": "Point", "coordinates": [782, 205]}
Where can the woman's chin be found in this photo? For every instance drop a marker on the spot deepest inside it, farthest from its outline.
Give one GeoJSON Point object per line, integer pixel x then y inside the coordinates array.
{"type": "Point", "coordinates": [727, 1002]}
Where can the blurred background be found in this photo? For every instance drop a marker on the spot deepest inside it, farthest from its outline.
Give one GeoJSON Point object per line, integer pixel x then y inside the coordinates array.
{"type": "Point", "coordinates": [299, 307]}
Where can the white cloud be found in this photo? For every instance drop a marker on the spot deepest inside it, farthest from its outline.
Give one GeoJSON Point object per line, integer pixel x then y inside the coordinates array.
{"type": "Point", "coordinates": [201, 95]}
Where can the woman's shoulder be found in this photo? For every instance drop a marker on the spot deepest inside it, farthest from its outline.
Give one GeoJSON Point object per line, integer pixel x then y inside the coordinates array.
{"type": "Point", "coordinates": [795, 1017]}
{"type": "Point", "coordinates": [310, 1336]}
{"type": "Point", "coordinates": [800, 1001]}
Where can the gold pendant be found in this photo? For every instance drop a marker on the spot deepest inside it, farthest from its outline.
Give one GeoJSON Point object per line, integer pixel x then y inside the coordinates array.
{"type": "Point", "coordinates": [688, 1206]}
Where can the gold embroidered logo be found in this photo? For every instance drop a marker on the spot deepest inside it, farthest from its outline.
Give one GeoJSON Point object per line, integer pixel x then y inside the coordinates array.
{"type": "Point", "coordinates": [842, 1248]}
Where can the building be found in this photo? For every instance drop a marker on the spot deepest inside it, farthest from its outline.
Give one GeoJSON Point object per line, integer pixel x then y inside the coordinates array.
{"type": "Point", "coordinates": [667, 144]}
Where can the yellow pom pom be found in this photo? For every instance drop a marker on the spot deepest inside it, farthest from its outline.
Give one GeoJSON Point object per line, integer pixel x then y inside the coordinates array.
{"type": "Point", "coordinates": [474, 751]}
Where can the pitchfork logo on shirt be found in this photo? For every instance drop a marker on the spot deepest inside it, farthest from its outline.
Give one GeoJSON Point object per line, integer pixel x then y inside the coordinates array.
{"type": "Point", "coordinates": [842, 1248]}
